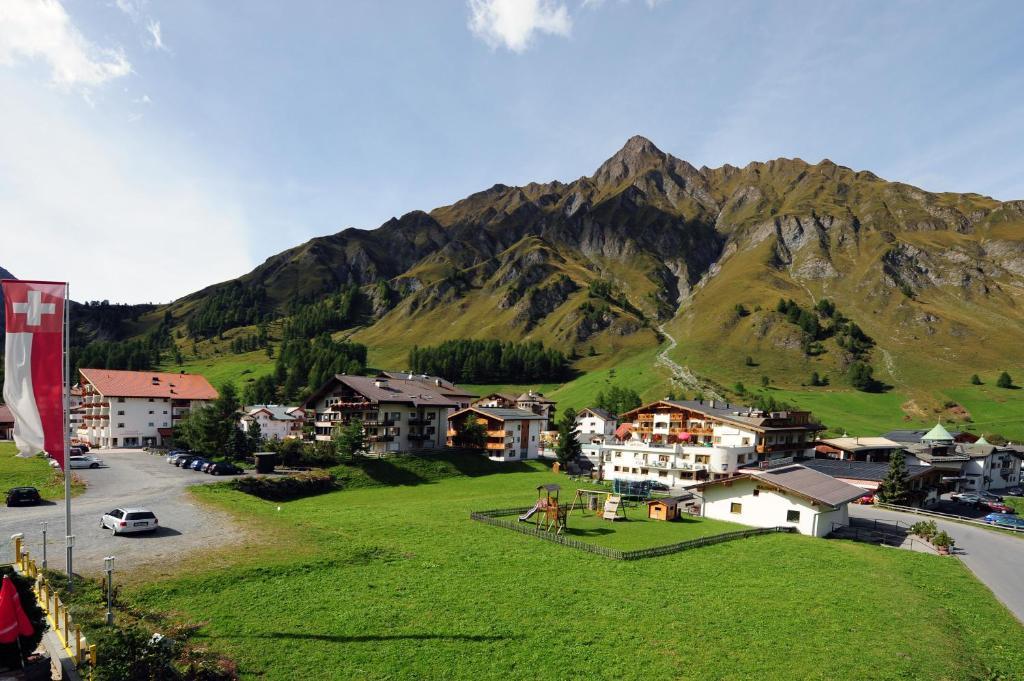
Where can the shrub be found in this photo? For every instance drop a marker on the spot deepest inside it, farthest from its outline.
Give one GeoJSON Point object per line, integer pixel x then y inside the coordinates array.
{"type": "Point", "coordinates": [1004, 381]}
{"type": "Point", "coordinates": [926, 529]}
{"type": "Point", "coordinates": [942, 539]}
{"type": "Point", "coordinates": [975, 379]}
{"type": "Point", "coordinates": [319, 454]}
{"type": "Point", "coordinates": [287, 488]}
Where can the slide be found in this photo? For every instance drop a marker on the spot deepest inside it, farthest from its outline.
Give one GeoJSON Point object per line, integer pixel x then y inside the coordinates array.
{"type": "Point", "coordinates": [529, 514]}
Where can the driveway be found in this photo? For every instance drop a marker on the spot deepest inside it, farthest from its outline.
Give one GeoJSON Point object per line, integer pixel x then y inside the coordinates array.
{"type": "Point", "coordinates": [130, 478]}
{"type": "Point", "coordinates": [996, 558]}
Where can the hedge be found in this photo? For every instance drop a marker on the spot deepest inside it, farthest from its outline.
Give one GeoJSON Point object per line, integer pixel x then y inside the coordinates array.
{"type": "Point", "coordinates": [287, 487]}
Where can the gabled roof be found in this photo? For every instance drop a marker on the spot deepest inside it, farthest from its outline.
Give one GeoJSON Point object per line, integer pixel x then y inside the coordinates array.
{"type": "Point", "coordinates": [534, 397]}
{"type": "Point", "coordinates": [507, 397]}
{"type": "Point", "coordinates": [446, 388]}
{"type": "Point", "coordinates": [729, 413]}
{"type": "Point", "coordinates": [800, 480]}
{"type": "Point", "coordinates": [598, 412]}
{"type": "Point", "coordinates": [275, 411]}
{"type": "Point", "coordinates": [392, 390]}
{"type": "Point", "coordinates": [937, 434]}
{"type": "Point", "coordinates": [501, 414]}
{"type": "Point", "coordinates": [111, 383]}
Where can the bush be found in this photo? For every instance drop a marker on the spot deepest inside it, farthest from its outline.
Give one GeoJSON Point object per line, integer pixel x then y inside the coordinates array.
{"type": "Point", "coordinates": [1004, 381]}
{"type": "Point", "coordinates": [975, 379]}
{"type": "Point", "coordinates": [319, 454]}
{"type": "Point", "coordinates": [942, 539]}
{"type": "Point", "coordinates": [926, 529]}
{"type": "Point", "coordinates": [288, 487]}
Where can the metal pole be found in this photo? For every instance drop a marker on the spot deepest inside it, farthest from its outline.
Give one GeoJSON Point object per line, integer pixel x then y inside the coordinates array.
{"type": "Point", "coordinates": [108, 563]}
{"type": "Point", "coordinates": [69, 538]}
{"type": "Point", "coordinates": [44, 544]}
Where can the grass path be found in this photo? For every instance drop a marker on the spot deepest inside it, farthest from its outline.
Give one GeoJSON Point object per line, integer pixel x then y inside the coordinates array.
{"type": "Point", "coordinates": [398, 583]}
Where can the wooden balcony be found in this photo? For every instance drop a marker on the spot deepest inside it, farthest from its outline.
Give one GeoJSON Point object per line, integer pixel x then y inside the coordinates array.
{"type": "Point", "coordinates": [380, 438]}
{"type": "Point", "coordinates": [378, 422]}
{"type": "Point", "coordinates": [495, 445]}
{"type": "Point", "coordinates": [497, 433]}
{"type": "Point", "coordinates": [452, 433]}
{"type": "Point", "coordinates": [763, 448]}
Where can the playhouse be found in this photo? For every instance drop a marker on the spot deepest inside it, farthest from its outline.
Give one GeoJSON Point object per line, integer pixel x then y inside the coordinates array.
{"type": "Point", "coordinates": [667, 508]}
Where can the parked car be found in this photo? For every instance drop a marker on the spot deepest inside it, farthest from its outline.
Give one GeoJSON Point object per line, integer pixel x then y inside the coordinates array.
{"type": "Point", "coordinates": [197, 464]}
{"type": "Point", "coordinates": [967, 498]}
{"type": "Point", "coordinates": [173, 457]}
{"type": "Point", "coordinates": [205, 468]}
{"type": "Point", "coordinates": [81, 445]}
{"type": "Point", "coordinates": [224, 468]}
{"type": "Point", "coordinates": [989, 496]}
{"type": "Point", "coordinates": [23, 496]}
{"type": "Point", "coordinates": [1014, 491]}
{"type": "Point", "coordinates": [996, 507]}
{"type": "Point", "coordinates": [185, 461]}
{"type": "Point", "coordinates": [86, 461]}
{"type": "Point", "coordinates": [125, 520]}
{"type": "Point", "coordinates": [868, 498]}
{"type": "Point", "coordinates": [1004, 520]}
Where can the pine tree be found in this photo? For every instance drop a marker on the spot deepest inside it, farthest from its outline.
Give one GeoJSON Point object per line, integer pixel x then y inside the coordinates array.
{"type": "Point", "coordinates": [975, 379]}
{"type": "Point", "coordinates": [1004, 381]}
{"type": "Point", "coordinates": [893, 489]}
{"type": "Point", "coordinates": [569, 448]}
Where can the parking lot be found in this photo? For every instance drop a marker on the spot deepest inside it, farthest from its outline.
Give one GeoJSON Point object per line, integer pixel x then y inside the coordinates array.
{"type": "Point", "coordinates": [129, 478]}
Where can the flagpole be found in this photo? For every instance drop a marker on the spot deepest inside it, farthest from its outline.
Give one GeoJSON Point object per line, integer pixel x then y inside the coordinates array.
{"type": "Point", "coordinates": [67, 433]}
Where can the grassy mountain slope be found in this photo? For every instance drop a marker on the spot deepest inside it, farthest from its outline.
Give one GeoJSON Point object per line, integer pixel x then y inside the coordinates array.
{"type": "Point", "coordinates": [935, 280]}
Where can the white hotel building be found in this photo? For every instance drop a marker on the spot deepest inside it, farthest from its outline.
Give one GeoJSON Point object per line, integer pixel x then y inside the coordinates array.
{"type": "Point", "coordinates": [681, 443]}
{"type": "Point", "coordinates": [136, 408]}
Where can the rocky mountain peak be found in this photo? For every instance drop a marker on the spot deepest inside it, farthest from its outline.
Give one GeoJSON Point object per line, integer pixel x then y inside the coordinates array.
{"type": "Point", "coordinates": [636, 156]}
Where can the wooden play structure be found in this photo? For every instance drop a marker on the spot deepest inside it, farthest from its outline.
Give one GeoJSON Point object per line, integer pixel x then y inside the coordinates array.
{"type": "Point", "coordinates": [548, 513]}
{"type": "Point", "coordinates": [610, 504]}
{"type": "Point", "coordinates": [668, 508]}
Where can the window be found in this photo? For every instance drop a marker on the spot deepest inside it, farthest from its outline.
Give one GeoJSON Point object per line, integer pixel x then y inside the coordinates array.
{"type": "Point", "coordinates": [757, 492]}
{"type": "Point", "coordinates": [792, 516]}
{"type": "Point", "coordinates": [151, 399]}
{"type": "Point", "coordinates": [151, 412]}
{"type": "Point", "coordinates": [121, 400]}
{"type": "Point", "coordinates": [120, 425]}
{"type": "Point", "coordinates": [617, 469]}
{"type": "Point", "coordinates": [150, 424]}
{"type": "Point", "coordinates": [120, 412]}
{"type": "Point", "coordinates": [165, 412]}
{"type": "Point", "coordinates": [735, 508]}
{"type": "Point", "coordinates": [746, 442]}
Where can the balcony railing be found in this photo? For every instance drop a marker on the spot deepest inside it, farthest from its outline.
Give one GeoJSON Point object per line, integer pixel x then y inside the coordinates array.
{"type": "Point", "coordinates": [496, 445]}
{"type": "Point", "coordinates": [497, 433]}
{"type": "Point", "coordinates": [418, 437]}
{"type": "Point", "coordinates": [379, 422]}
{"type": "Point", "coordinates": [420, 422]}
{"type": "Point", "coordinates": [380, 438]}
{"type": "Point", "coordinates": [763, 448]}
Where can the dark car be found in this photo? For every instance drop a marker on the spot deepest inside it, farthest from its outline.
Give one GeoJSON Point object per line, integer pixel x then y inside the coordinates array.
{"type": "Point", "coordinates": [197, 463]}
{"type": "Point", "coordinates": [224, 468]}
{"type": "Point", "coordinates": [1014, 491]}
{"type": "Point", "coordinates": [989, 496]}
{"type": "Point", "coordinates": [23, 496]}
{"type": "Point", "coordinates": [205, 468]}
{"type": "Point", "coordinates": [185, 461]}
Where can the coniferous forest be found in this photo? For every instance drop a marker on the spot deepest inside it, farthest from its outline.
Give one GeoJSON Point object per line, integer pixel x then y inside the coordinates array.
{"type": "Point", "coordinates": [492, 361]}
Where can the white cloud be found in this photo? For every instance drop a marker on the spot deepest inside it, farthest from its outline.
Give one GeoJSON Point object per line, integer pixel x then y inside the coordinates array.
{"type": "Point", "coordinates": [513, 23]}
{"type": "Point", "coordinates": [42, 30]}
{"type": "Point", "coordinates": [129, 7]}
{"type": "Point", "coordinates": [123, 213]}
{"type": "Point", "coordinates": [156, 35]}
{"type": "Point", "coordinates": [597, 3]}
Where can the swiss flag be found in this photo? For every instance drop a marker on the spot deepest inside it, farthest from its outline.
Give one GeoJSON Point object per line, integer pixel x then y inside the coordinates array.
{"type": "Point", "coordinates": [34, 366]}
{"type": "Point", "coordinates": [13, 620]}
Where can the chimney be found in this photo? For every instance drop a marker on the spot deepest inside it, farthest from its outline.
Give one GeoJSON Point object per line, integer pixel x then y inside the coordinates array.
{"type": "Point", "coordinates": [711, 403]}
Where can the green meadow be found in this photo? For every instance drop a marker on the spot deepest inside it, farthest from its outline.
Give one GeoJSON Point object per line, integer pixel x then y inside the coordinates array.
{"type": "Point", "coordinates": [16, 471]}
{"type": "Point", "coordinates": [386, 581]}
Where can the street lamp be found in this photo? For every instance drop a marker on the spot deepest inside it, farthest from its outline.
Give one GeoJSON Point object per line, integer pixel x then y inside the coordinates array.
{"type": "Point", "coordinates": [108, 565]}
{"type": "Point", "coordinates": [44, 544]}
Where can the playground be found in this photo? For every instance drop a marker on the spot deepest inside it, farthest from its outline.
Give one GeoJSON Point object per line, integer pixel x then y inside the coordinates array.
{"type": "Point", "coordinates": [605, 518]}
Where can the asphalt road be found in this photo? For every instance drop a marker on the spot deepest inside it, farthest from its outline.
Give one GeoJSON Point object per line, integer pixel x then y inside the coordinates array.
{"type": "Point", "coordinates": [130, 478]}
{"type": "Point", "coordinates": [996, 558]}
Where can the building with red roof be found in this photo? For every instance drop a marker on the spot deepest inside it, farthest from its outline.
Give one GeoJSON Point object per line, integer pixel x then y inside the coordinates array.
{"type": "Point", "coordinates": [136, 408]}
{"type": "Point", "coordinates": [6, 423]}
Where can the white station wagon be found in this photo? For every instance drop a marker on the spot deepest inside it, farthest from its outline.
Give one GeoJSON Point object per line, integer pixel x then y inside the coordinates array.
{"type": "Point", "coordinates": [125, 520]}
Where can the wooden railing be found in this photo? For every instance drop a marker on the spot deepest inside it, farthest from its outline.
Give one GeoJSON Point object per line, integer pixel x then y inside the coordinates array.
{"type": "Point", "coordinates": [68, 633]}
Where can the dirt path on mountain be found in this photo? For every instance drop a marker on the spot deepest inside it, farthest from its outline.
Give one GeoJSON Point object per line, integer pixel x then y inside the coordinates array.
{"type": "Point", "coordinates": [681, 374]}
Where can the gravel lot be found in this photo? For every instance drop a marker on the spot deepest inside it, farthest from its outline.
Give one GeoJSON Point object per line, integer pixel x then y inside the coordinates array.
{"type": "Point", "coordinates": [130, 478]}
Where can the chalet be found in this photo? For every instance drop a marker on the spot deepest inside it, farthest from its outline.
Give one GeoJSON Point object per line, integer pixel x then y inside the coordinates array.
{"type": "Point", "coordinates": [596, 425]}
{"type": "Point", "coordinates": [496, 400]}
{"type": "Point", "coordinates": [529, 401]}
{"type": "Point", "coordinates": [784, 496]}
{"type": "Point", "coordinates": [6, 423]}
{"type": "Point", "coordinates": [681, 443]}
{"type": "Point", "coordinates": [511, 434]}
{"type": "Point", "coordinates": [136, 408]}
{"type": "Point", "coordinates": [276, 422]}
{"type": "Point", "coordinates": [871, 449]}
{"type": "Point", "coordinates": [397, 414]}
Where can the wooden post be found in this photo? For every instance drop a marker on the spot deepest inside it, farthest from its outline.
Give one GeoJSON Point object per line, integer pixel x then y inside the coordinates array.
{"type": "Point", "coordinates": [92, 655]}
{"type": "Point", "coordinates": [67, 628]}
{"type": "Point", "coordinates": [17, 550]}
{"type": "Point", "coordinates": [78, 646]}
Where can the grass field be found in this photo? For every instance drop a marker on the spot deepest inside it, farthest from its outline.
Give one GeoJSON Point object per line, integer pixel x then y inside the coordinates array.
{"type": "Point", "coordinates": [219, 369]}
{"type": "Point", "coordinates": [16, 471]}
{"type": "Point", "coordinates": [398, 582]}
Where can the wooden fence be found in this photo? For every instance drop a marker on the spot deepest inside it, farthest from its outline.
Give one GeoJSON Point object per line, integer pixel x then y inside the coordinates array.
{"type": "Point", "coordinates": [81, 653]}
{"type": "Point", "coordinates": [494, 517]}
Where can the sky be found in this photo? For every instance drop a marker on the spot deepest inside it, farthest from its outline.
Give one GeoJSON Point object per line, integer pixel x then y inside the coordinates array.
{"type": "Point", "coordinates": [149, 148]}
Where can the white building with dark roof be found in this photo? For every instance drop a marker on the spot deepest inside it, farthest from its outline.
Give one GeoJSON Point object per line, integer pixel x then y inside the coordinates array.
{"type": "Point", "coordinates": [785, 496]}
{"type": "Point", "coordinates": [596, 425]}
{"type": "Point", "coordinates": [397, 414]}
{"type": "Point", "coordinates": [276, 422]}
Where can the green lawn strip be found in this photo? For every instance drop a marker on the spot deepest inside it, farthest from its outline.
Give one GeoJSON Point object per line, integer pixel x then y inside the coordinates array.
{"type": "Point", "coordinates": [398, 582]}
{"type": "Point", "coordinates": [219, 369]}
{"type": "Point", "coordinates": [16, 471]}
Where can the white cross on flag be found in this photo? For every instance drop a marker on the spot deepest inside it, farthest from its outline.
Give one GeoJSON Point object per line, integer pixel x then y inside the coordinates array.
{"type": "Point", "coordinates": [34, 366]}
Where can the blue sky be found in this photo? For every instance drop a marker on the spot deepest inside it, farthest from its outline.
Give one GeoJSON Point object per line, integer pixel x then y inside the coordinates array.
{"type": "Point", "coordinates": [149, 148]}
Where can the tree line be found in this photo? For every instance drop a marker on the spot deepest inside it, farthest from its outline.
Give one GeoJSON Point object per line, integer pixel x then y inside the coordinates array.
{"type": "Point", "coordinates": [490, 361]}
{"type": "Point", "coordinates": [232, 306]}
{"type": "Point", "coordinates": [333, 313]}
